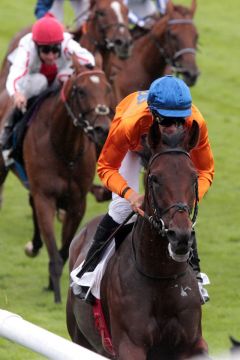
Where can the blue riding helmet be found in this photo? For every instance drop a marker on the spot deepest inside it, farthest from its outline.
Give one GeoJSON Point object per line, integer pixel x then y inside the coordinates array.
{"type": "Point", "coordinates": [170, 97]}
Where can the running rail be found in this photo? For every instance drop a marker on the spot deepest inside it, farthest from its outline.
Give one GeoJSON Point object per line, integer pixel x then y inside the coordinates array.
{"type": "Point", "coordinates": [14, 327]}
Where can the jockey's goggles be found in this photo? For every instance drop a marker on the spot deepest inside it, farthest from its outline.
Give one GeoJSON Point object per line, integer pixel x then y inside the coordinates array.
{"type": "Point", "coordinates": [46, 49]}
{"type": "Point", "coordinates": [168, 121]}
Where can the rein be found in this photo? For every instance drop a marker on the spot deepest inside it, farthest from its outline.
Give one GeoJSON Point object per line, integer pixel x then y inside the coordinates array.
{"type": "Point", "coordinates": [80, 119]}
{"type": "Point", "coordinates": [171, 60]}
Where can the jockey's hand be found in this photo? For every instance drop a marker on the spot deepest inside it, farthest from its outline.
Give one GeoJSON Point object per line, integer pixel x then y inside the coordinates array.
{"type": "Point", "coordinates": [136, 201]}
{"type": "Point", "coordinates": [20, 101]}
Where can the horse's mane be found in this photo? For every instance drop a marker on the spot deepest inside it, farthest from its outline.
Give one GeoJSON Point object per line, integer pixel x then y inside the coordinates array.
{"type": "Point", "coordinates": [173, 139]}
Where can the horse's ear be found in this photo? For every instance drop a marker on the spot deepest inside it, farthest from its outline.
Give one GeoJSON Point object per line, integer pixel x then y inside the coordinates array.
{"type": "Point", "coordinates": [193, 136]}
{"type": "Point", "coordinates": [154, 135]}
{"type": "Point", "coordinates": [169, 7]}
{"type": "Point", "coordinates": [193, 7]}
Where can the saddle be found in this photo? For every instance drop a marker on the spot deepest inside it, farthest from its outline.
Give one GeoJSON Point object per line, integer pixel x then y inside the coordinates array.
{"type": "Point", "coordinates": [22, 123]}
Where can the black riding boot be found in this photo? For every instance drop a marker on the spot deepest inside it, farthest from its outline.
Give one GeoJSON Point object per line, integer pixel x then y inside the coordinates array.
{"type": "Point", "coordinates": [105, 228]}
{"type": "Point", "coordinates": [195, 261]}
{"type": "Point", "coordinates": [6, 138]}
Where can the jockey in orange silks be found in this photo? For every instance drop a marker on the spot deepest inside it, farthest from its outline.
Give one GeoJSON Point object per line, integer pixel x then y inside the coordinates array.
{"type": "Point", "coordinates": [167, 101]}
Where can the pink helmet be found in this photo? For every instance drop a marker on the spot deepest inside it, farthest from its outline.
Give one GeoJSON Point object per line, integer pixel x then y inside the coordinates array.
{"type": "Point", "coordinates": [47, 30]}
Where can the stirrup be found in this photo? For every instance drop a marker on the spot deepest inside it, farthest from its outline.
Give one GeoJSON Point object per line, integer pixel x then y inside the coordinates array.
{"type": "Point", "coordinates": [203, 280]}
{"type": "Point", "coordinates": [84, 293]}
{"type": "Point", "coordinates": [203, 293]}
{"type": "Point", "coordinates": [6, 154]}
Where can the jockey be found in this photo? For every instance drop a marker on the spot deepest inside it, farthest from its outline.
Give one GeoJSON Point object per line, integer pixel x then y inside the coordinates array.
{"type": "Point", "coordinates": [43, 57]}
{"type": "Point", "coordinates": [140, 11]}
{"type": "Point", "coordinates": [168, 101]}
{"type": "Point", "coordinates": [55, 7]}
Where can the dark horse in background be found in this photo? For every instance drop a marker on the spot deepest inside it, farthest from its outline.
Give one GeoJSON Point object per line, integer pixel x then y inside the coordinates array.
{"type": "Point", "coordinates": [59, 152]}
{"type": "Point", "coordinates": [170, 46]}
{"type": "Point", "coordinates": [149, 293]}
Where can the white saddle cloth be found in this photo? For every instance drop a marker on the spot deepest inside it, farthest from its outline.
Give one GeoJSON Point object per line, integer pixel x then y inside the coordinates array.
{"type": "Point", "coordinates": [92, 279]}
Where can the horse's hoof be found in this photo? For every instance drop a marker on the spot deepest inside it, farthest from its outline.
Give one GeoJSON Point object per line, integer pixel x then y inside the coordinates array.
{"type": "Point", "coordinates": [29, 251]}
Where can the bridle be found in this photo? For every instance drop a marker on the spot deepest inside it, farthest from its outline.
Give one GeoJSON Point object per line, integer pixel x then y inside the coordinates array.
{"type": "Point", "coordinates": [156, 220]}
{"type": "Point", "coordinates": [80, 119]}
{"type": "Point", "coordinates": [172, 60]}
{"type": "Point", "coordinates": [103, 29]}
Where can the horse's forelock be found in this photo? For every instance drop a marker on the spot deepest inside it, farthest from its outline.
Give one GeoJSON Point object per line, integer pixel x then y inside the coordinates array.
{"type": "Point", "coordinates": [173, 139]}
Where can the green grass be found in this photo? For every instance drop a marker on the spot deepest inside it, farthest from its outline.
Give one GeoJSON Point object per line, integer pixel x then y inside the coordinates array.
{"type": "Point", "coordinates": [217, 96]}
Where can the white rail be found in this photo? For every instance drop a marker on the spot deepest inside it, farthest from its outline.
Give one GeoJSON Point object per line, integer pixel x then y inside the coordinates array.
{"type": "Point", "coordinates": [14, 327]}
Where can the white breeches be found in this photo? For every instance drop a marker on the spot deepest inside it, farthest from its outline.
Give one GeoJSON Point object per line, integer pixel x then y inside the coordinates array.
{"type": "Point", "coordinates": [80, 8]}
{"type": "Point", "coordinates": [32, 85]}
{"type": "Point", "coordinates": [141, 8]}
{"type": "Point", "coordinates": [120, 208]}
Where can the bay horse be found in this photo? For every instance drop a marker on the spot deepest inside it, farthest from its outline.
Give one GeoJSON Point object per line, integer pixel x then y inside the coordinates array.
{"type": "Point", "coordinates": [59, 152]}
{"type": "Point", "coordinates": [106, 29]}
{"type": "Point", "coordinates": [149, 293]}
{"type": "Point", "coordinates": [170, 46]}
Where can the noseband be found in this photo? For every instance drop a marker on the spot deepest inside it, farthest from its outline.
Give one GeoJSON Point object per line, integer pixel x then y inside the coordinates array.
{"type": "Point", "coordinates": [156, 219]}
{"type": "Point", "coordinates": [80, 120]}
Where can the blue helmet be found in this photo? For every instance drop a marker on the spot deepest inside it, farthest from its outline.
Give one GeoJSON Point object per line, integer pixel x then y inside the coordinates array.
{"type": "Point", "coordinates": [169, 96]}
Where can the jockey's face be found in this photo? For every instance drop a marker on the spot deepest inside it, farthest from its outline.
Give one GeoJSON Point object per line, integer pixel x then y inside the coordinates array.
{"type": "Point", "coordinates": [49, 53]}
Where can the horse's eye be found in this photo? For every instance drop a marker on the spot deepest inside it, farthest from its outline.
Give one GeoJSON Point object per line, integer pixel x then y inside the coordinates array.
{"type": "Point", "coordinates": [81, 93]}
{"type": "Point", "coordinates": [153, 178]}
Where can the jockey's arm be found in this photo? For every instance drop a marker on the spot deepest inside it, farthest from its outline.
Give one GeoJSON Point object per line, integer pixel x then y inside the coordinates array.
{"type": "Point", "coordinates": [202, 157]}
{"type": "Point", "coordinates": [84, 56]}
{"type": "Point", "coordinates": [18, 69]}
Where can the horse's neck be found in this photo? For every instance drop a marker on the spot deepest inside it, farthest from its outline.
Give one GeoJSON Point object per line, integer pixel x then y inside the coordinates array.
{"type": "Point", "coordinates": [90, 39]}
{"type": "Point", "coordinates": [65, 137]}
{"type": "Point", "coordinates": [151, 252]}
{"type": "Point", "coordinates": [147, 51]}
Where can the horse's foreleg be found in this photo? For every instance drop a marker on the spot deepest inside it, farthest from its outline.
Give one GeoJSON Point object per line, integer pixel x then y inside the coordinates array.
{"type": "Point", "coordinates": [45, 211]}
{"type": "Point", "coordinates": [126, 350]}
{"type": "Point", "coordinates": [73, 329]}
{"type": "Point", "coordinates": [71, 222]}
{"type": "Point", "coordinates": [32, 248]}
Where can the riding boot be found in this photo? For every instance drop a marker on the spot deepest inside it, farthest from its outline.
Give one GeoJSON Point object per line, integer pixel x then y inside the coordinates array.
{"type": "Point", "coordinates": [105, 228]}
{"type": "Point", "coordinates": [6, 136]}
{"type": "Point", "coordinates": [195, 264]}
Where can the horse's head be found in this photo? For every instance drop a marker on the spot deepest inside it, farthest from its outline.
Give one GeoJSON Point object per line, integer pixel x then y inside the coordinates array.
{"type": "Point", "coordinates": [109, 22]}
{"type": "Point", "coordinates": [171, 186]}
{"type": "Point", "coordinates": [86, 96]}
{"type": "Point", "coordinates": [180, 41]}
